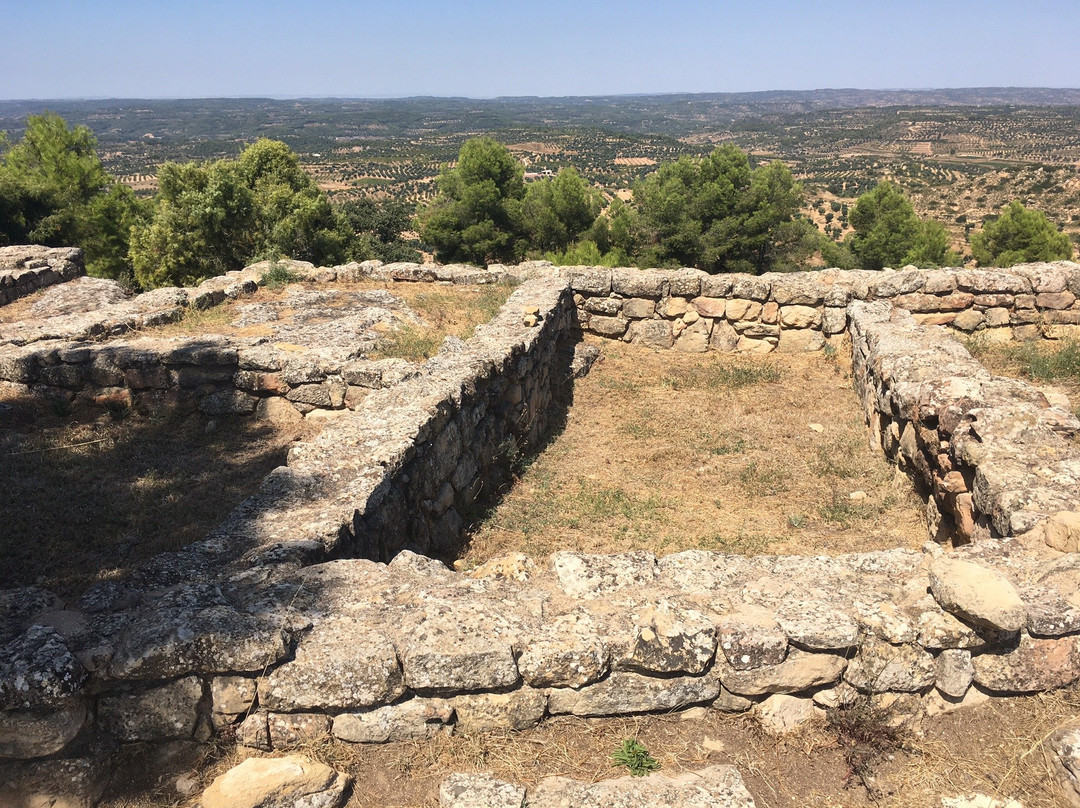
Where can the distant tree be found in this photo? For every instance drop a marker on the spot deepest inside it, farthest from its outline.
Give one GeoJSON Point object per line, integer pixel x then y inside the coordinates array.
{"type": "Point", "coordinates": [377, 226]}
{"type": "Point", "coordinates": [1018, 236]}
{"type": "Point", "coordinates": [476, 215]}
{"type": "Point", "coordinates": [558, 211]}
{"type": "Point", "coordinates": [55, 191]}
{"type": "Point", "coordinates": [210, 218]}
{"type": "Point", "coordinates": [716, 213]}
{"type": "Point", "coordinates": [888, 232]}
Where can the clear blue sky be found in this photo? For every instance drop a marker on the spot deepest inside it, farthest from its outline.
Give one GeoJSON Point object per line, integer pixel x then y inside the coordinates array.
{"type": "Point", "coordinates": [364, 48]}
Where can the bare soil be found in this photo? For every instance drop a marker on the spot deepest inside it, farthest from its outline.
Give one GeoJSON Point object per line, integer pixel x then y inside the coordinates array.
{"type": "Point", "coordinates": [668, 452]}
{"type": "Point", "coordinates": [86, 500]}
{"type": "Point", "coordinates": [994, 748]}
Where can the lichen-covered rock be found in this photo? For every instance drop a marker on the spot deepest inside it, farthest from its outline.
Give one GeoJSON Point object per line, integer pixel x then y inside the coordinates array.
{"type": "Point", "coordinates": [414, 719]}
{"type": "Point", "coordinates": [592, 576]}
{"type": "Point", "coordinates": [714, 787]}
{"type": "Point", "coordinates": [157, 714]}
{"type": "Point", "coordinates": [1063, 756]}
{"type": "Point", "coordinates": [817, 626]}
{"type": "Point", "coordinates": [752, 639]}
{"type": "Point", "coordinates": [979, 595]}
{"type": "Point", "coordinates": [289, 730]}
{"type": "Point", "coordinates": [342, 664]}
{"type": "Point", "coordinates": [780, 714]}
{"type": "Point", "coordinates": [670, 639]}
{"type": "Point", "coordinates": [566, 653]}
{"type": "Point", "coordinates": [881, 667]}
{"type": "Point", "coordinates": [37, 670]}
{"type": "Point", "coordinates": [479, 791]}
{"type": "Point", "coordinates": [196, 632]}
{"type": "Point", "coordinates": [953, 672]}
{"type": "Point", "coordinates": [62, 783]}
{"type": "Point", "coordinates": [1033, 665]}
{"type": "Point", "coordinates": [232, 695]}
{"type": "Point", "coordinates": [286, 782]}
{"type": "Point", "coordinates": [621, 693]}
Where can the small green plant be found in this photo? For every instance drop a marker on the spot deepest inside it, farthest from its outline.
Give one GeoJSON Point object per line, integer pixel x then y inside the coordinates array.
{"type": "Point", "coordinates": [634, 756]}
{"type": "Point", "coordinates": [279, 276]}
{"type": "Point", "coordinates": [796, 520]}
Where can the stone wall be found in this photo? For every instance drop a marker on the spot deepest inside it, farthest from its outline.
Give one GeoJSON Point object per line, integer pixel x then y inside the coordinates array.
{"type": "Point", "coordinates": [273, 631]}
{"type": "Point", "coordinates": [692, 311]}
{"type": "Point", "coordinates": [25, 269]}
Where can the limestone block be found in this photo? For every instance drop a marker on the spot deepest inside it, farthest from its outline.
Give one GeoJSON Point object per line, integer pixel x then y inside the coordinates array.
{"type": "Point", "coordinates": [756, 346]}
{"type": "Point", "coordinates": [1062, 752]}
{"type": "Point", "coordinates": [798, 289]}
{"type": "Point", "coordinates": [232, 695]}
{"type": "Point", "coordinates": [969, 320]}
{"type": "Point", "coordinates": [461, 790]}
{"type": "Point", "coordinates": [881, 667]}
{"type": "Point", "coordinates": [229, 402]}
{"type": "Point", "coordinates": [800, 317]}
{"type": "Point", "coordinates": [751, 639]}
{"type": "Point", "coordinates": [1034, 665]}
{"type": "Point", "coordinates": [781, 714]}
{"type": "Point", "coordinates": [157, 714]}
{"type": "Point", "coordinates": [566, 653]}
{"type": "Point", "coordinates": [638, 282]}
{"type": "Point", "coordinates": [724, 338]}
{"type": "Point", "coordinates": [343, 663]}
{"type": "Point", "coordinates": [817, 626]}
{"type": "Point", "coordinates": [715, 787]}
{"type": "Point", "coordinates": [750, 287]}
{"type": "Point", "coordinates": [742, 309]}
{"type": "Point", "coordinates": [415, 719]}
{"type": "Point", "coordinates": [675, 307]}
{"type": "Point", "coordinates": [486, 712]}
{"type": "Point", "coordinates": [1062, 531]}
{"type": "Point", "coordinates": [622, 693]}
{"type": "Point", "coordinates": [651, 333]}
{"type": "Point", "coordinates": [956, 301]}
{"type": "Point", "coordinates": [800, 670]}
{"type": "Point", "coordinates": [770, 313]}
{"type": "Point", "coordinates": [695, 338]}
{"type": "Point", "coordinates": [608, 326]}
{"type": "Point", "coordinates": [977, 594]}
{"type": "Point", "coordinates": [1055, 300]}
{"type": "Point", "coordinates": [284, 782]}
{"type": "Point", "coordinates": [639, 308]}
{"type": "Point", "coordinates": [607, 306]}
{"type": "Point", "coordinates": [586, 576]}
{"type": "Point", "coordinates": [26, 734]}
{"type": "Point", "coordinates": [710, 306]}
{"type": "Point", "coordinates": [288, 730]}
{"type": "Point", "coordinates": [671, 639]}
{"type": "Point", "coordinates": [953, 672]}
{"type": "Point", "coordinates": [459, 652]}
{"type": "Point", "coordinates": [716, 286]}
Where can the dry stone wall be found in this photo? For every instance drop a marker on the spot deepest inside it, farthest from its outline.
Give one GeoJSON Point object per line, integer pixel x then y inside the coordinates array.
{"type": "Point", "coordinates": [692, 311]}
{"type": "Point", "coordinates": [284, 625]}
{"type": "Point", "coordinates": [26, 269]}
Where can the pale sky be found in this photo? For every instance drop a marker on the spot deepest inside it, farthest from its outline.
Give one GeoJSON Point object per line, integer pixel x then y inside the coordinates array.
{"type": "Point", "coordinates": [486, 48]}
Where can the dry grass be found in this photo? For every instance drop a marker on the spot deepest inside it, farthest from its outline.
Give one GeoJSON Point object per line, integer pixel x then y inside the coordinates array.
{"type": "Point", "coordinates": [669, 452]}
{"type": "Point", "coordinates": [446, 311]}
{"type": "Point", "coordinates": [1053, 362]}
{"type": "Point", "coordinates": [86, 501]}
{"type": "Point", "coordinates": [995, 749]}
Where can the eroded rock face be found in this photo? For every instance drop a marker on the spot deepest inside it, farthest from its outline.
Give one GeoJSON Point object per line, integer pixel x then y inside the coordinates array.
{"type": "Point", "coordinates": [479, 791]}
{"type": "Point", "coordinates": [156, 714]}
{"type": "Point", "coordinates": [286, 782]}
{"type": "Point", "coordinates": [623, 693]}
{"type": "Point", "coordinates": [715, 787]}
{"type": "Point", "coordinates": [1032, 666]}
{"type": "Point", "coordinates": [1063, 756]}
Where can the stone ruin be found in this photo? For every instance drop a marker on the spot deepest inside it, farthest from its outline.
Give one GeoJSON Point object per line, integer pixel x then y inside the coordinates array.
{"type": "Point", "coordinates": [315, 610]}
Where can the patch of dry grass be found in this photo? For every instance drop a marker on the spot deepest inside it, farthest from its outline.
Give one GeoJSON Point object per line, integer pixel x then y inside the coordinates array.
{"type": "Point", "coordinates": [1054, 362]}
{"type": "Point", "coordinates": [669, 452]}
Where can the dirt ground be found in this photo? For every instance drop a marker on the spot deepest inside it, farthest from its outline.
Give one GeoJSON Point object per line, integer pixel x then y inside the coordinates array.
{"type": "Point", "coordinates": [667, 452]}
{"type": "Point", "coordinates": [86, 499]}
{"type": "Point", "coordinates": [994, 749]}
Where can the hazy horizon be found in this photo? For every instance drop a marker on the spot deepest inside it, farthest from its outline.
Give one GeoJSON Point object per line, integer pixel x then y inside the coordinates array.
{"type": "Point", "coordinates": [126, 49]}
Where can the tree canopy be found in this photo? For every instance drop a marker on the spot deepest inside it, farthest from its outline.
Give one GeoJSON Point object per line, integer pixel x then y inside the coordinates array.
{"type": "Point", "coordinates": [1018, 236]}
{"type": "Point", "coordinates": [214, 217]}
{"type": "Point", "coordinates": [888, 232]}
{"type": "Point", "coordinates": [476, 214]}
{"type": "Point", "coordinates": [716, 213]}
{"type": "Point", "coordinates": [55, 191]}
